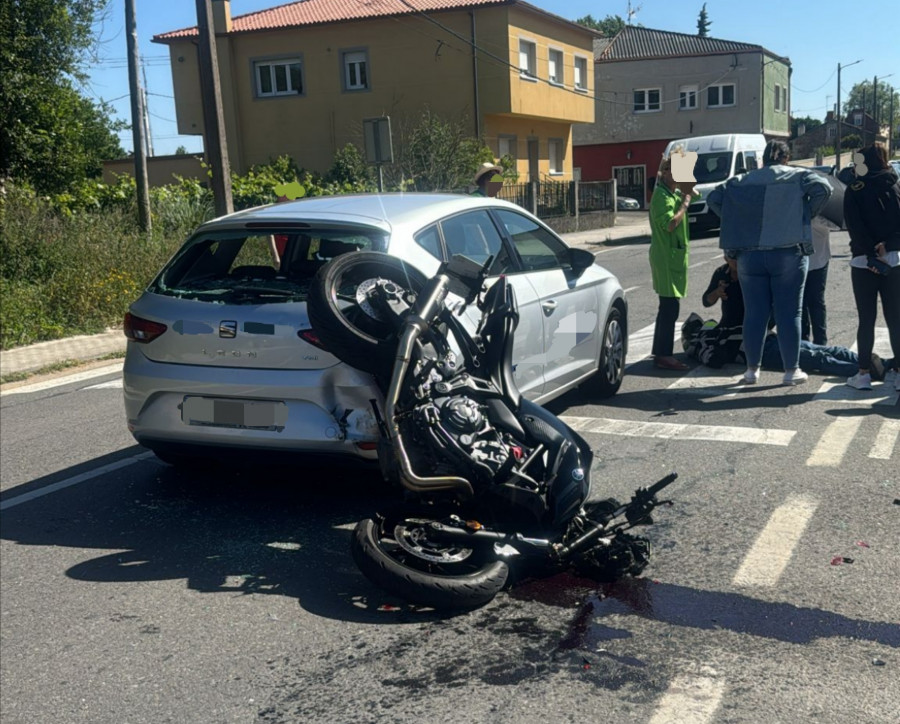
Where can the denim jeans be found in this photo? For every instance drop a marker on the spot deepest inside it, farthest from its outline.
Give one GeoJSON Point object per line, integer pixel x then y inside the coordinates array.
{"type": "Point", "coordinates": [772, 280]}
{"type": "Point", "coordinates": [867, 287]}
{"type": "Point", "coordinates": [832, 361]}
{"type": "Point", "coordinates": [813, 322]}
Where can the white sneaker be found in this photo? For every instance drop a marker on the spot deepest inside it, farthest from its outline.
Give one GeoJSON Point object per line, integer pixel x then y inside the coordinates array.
{"type": "Point", "coordinates": [751, 376]}
{"type": "Point", "coordinates": [795, 377]}
{"type": "Point", "coordinates": [860, 381]}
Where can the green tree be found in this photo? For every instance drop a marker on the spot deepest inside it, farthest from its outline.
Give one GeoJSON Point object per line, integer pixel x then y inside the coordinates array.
{"type": "Point", "coordinates": [703, 23]}
{"type": "Point", "coordinates": [855, 100]}
{"type": "Point", "coordinates": [609, 26]}
{"type": "Point", "coordinates": [50, 136]}
{"type": "Point", "coordinates": [181, 151]}
{"type": "Point", "coordinates": [432, 153]}
{"type": "Point", "coordinates": [810, 122]}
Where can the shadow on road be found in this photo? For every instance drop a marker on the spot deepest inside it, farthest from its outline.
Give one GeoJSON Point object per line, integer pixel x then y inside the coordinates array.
{"type": "Point", "coordinates": [245, 530]}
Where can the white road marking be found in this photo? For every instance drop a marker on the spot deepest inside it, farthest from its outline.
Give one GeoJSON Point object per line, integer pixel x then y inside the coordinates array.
{"type": "Point", "coordinates": [630, 289]}
{"type": "Point", "coordinates": [640, 343]}
{"type": "Point", "coordinates": [700, 263]}
{"type": "Point", "coordinates": [770, 554]}
{"type": "Point", "coordinates": [689, 699]}
{"type": "Point", "coordinates": [65, 380]}
{"type": "Point", "coordinates": [710, 382]}
{"type": "Point", "coordinates": [678, 431]}
{"type": "Point", "coordinates": [111, 385]}
{"type": "Point", "coordinates": [68, 482]}
{"type": "Point", "coordinates": [883, 447]}
{"type": "Point", "coordinates": [833, 444]}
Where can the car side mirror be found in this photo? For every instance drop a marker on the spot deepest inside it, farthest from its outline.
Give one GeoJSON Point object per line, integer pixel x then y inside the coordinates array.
{"type": "Point", "coordinates": [580, 259]}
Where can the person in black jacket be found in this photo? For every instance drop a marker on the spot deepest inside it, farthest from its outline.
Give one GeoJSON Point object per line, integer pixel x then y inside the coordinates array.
{"type": "Point", "coordinates": [872, 215]}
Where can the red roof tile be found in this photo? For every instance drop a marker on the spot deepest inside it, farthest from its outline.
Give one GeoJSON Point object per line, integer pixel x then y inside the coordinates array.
{"type": "Point", "coordinates": [317, 12]}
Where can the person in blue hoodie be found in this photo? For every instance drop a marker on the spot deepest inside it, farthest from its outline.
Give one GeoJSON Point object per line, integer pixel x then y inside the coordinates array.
{"type": "Point", "coordinates": [765, 225]}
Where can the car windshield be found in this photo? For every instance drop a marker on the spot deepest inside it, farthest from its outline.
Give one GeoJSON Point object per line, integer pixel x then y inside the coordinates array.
{"type": "Point", "coordinates": [237, 267]}
{"type": "Point", "coordinates": [711, 167]}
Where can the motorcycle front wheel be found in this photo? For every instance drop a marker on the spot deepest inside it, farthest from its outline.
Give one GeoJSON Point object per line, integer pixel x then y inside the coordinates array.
{"type": "Point", "coordinates": [396, 555]}
{"type": "Point", "coordinates": [339, 311]}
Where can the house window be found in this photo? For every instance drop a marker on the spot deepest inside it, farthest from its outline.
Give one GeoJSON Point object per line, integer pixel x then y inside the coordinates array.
{"type": "Point", "coordinates": [687, 98]}
{"type": "Point", "coordinates": [719, 96]}
{"type": "Point", "coordinates": [646, 100]}
{"type": "Point", "coordinates": [555, 63]}
{"type": "Point", "coordinates": [557, 153]}
{"type": "Point", "coordinates": [506, 146]}
{"type": "Point", "coordinates": [831, 132]}
{"type": "Point", "coordinates": [777, 97]}
{"type": "Point", "coordinates": [580, 74]}
{"type": "Point", "coordinates": [784, 104]}
{"type": "Point", "coordinates": [356, 70]}
{"type": "Point", "coordinates": [279, 78]}
{"type": "Point", "coordinates": [857, 119]}
{"type": "Point", "coordinates": [528, 59]}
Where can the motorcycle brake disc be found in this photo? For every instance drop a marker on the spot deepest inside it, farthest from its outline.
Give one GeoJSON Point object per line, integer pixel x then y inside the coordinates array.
{"type": "Point", "coordinates": [414, 539]}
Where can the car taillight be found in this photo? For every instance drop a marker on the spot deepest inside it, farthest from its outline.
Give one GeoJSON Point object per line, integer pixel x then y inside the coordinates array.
{"type": "Point", "coordinates": [142, 330]}
{"type": "Point", "coordinates": [308, 335]}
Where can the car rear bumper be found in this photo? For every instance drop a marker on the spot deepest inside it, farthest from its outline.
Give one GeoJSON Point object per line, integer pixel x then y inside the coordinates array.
{"type": "Point", "coordinates": [327, 410]}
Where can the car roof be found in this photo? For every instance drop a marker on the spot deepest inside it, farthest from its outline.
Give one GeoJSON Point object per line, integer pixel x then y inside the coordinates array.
{"type": "Point", "coordinates": [383, 211]}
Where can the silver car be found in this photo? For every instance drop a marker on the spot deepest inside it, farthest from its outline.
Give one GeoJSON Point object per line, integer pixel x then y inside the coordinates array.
{"type": "Point", "coordinates": [221, 355]}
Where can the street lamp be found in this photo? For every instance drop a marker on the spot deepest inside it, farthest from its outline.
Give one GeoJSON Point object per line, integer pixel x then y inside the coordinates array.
{"type": "Point", "coordinates": [837, 148]}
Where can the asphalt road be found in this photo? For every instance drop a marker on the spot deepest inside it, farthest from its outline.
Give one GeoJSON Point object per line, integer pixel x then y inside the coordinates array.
{"type": "Point", "coordinates": [133, 592]}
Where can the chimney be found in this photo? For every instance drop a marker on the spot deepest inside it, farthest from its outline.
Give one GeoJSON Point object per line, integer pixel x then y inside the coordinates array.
{"type": "Point", "coordinates": [221, 10]}
{"type": "Point", "coordinates": [829, 116]}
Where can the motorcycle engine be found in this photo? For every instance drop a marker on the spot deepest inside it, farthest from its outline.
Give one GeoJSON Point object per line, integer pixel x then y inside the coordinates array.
{"type": "Point", "coordinates": [459, 427]}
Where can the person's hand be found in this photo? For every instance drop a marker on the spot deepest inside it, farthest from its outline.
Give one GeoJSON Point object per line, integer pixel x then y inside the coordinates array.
{"type": "Point", "coordinates": [880, 250]}
{"type": "Point", "coordinates": [722, 290]}
{"type": "Point", "coordinates": [687, 188]}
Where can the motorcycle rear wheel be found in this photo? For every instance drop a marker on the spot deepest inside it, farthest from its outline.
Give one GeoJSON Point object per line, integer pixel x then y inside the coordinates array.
{"type": "Point", "coordinates": [353, 332]}
{"type": "Point", "coordinates": [396, 556]}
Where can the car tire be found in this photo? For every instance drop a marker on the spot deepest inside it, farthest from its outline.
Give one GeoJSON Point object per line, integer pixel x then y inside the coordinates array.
{"type": "Point", "coordinates": [611, 365]}
{"type": "Point", "coordinates": [372, 348]}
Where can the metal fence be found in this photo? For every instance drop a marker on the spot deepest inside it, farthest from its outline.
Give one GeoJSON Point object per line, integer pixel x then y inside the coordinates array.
{"type": "Point", "coordinates": [549, 199]}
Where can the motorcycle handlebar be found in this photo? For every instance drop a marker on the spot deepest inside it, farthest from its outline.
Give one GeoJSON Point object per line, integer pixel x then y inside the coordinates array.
{"type": "Point", "coordinates": [659, 485]}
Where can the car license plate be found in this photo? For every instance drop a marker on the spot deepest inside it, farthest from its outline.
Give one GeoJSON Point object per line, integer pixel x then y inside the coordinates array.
{"type": "Point", "coordinates": [691, 219]}
{"type": "Point", "coordinates": [242, 414]}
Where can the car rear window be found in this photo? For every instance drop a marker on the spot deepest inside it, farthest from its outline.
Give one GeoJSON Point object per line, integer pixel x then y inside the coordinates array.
{"type": "Point", "coordinates": [237, 267]}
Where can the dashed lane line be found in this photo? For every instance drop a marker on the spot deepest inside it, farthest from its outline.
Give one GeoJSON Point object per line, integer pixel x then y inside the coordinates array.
{"type": "Point", "coordinates": [770, 554]}
{"type": "Point", "coordinates": [883, 447]}
{"type": "Point", "coordinates": [691, 699]}
{"type": "Point", "coordinates": [75, 480]}
{"type": "Point", "coordinates": [835, 441]}
{"type": "Point", "coordinates": [680, 431]}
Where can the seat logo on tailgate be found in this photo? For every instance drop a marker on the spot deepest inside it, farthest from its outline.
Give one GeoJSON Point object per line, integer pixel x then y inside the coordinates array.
{"type": "Point", "coordinates": [228, 329]}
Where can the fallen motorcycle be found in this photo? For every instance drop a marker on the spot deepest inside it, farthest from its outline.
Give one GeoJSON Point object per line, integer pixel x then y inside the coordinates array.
{"type": "Point", "coordinates": [490, 477]}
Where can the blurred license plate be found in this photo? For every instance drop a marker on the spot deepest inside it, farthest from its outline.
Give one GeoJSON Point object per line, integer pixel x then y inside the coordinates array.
{"type": "Point", "coordinates": [691, 219]}
{"type": "Point", "coordinates": [244, 414]}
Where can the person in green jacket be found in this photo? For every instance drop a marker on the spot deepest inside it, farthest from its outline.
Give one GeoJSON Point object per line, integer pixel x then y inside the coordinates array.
{"type": "Point", "coordinates": [668, 259]}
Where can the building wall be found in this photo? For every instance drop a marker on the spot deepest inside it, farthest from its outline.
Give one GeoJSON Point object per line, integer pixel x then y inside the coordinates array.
{"type": "Point", "coordinates": [161, 170]}
{"type": "Point", "coordinates": [539, 98]}
{"type": "Point", "coordinates": [775, 122]}
{"type": "Point", "coordinates": [597, 161]}
{"type": "Point", "coordinates": [524, 129]}
{"type": "Point", "coordinates": [617, 122]}
{"type": "Point", "coordinates": [411, 63]}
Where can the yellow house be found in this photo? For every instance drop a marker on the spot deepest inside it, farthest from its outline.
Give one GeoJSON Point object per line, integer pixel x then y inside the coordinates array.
{"type": "Point", "coordinates": [299, 79]}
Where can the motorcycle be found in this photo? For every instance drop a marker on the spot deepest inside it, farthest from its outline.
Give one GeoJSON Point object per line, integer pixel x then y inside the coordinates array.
{"type": "Point", "coordinates": [489, 476]}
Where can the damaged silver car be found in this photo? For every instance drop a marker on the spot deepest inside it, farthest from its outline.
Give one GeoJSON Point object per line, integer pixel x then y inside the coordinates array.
{"type": "Point", "coordinates": [222, 358]}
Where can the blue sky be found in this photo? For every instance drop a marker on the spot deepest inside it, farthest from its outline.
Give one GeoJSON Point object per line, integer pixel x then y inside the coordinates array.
{"type": "Point", "coordinates": [816, 36]}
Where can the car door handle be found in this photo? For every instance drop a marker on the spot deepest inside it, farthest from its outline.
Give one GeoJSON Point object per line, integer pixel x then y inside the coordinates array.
{"type": "Point", "coordinates": [548, 306]}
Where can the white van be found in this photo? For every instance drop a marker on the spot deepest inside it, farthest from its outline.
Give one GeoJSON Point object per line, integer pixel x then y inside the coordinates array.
{"type": "Point", "coordinates": [719, 158]}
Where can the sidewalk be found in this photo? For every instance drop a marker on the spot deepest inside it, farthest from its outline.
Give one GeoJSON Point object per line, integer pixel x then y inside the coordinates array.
{"type": "Point", "coordinates": [629, 225]}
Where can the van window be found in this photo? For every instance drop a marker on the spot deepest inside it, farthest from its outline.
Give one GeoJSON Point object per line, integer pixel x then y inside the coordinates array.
{"type": "Point", "coordinates": [750, 161]}
{"type": "Point", "coordinates": [712, 167]}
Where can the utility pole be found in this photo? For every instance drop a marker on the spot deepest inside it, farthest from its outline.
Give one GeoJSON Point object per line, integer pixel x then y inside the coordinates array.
{"type": "Point", "coordinates": [213, 122]}
{"type": "Point", "coordinates": [864, 124]}
{"type": "Point", "coordinates": [837, 148]}
{"type": "Point", "coordinates": [148, 134]}
{"type": "Point", "coordinates": [875, 104]}
{"type": "Point", "coordinates": [891, 125]}
{"type": "Point", "coordinates": [137, 119]}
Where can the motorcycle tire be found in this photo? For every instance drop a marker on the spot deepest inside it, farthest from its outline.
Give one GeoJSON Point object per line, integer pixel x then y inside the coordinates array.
{"type": "Point", "coordinates": [393, 569]}
{"type": "Point", "coordinates": [349, 332]}
{"type": "Point", "coordinates": [611, 365]}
